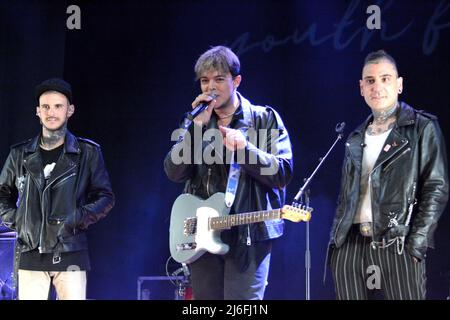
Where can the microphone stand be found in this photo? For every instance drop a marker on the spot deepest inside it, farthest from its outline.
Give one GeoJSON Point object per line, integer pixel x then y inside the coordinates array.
{"type": "Point", "coordinates": [299, 197]}
{"type": "Point", "coordinates": [307, 252]}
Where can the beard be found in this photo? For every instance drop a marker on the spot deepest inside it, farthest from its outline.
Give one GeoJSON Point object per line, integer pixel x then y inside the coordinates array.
{"type": "Point", "coordinates": [63, 126]}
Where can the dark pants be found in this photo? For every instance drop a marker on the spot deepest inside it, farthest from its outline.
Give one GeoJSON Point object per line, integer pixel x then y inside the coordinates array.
{"type": "Point", "coordinates": [217, 277]}
{"type": "Point", "coordinates": [358, 270]}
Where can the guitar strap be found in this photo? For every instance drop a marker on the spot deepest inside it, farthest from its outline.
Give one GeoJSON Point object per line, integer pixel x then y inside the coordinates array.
{"type": "Point", "coordinates": [235, 169]}
{"type": "Point", "coordinates": [233, 181]}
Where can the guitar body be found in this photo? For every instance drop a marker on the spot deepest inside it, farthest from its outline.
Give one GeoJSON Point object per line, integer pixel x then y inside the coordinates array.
{"type": "Point", "coordinates": [185, 246]}
{"type": "Point", "coordinates": [196, 224]}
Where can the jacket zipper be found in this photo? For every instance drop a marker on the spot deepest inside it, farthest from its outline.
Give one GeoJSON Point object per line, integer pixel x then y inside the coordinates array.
{"type": "Point", "coordinates": [249, 239]}
{"type": "Point", "coordinates": [42, 225]}
{"type": "Point", "coordinates": [337, 227]}
{"type": "Point", "coordinates": [370, 182]}
{"type": "Point", "coordinates": [411, 203]}
{"type": "Point", "coordinates": [42, 208]}
{"type": "Point", "coordinates": [371, 203]}
{"type": "Point", "coordinates": [404, 144]}
{"type": "Point", "coordinates": [389, 164]}
{"type": "Point", "coordinates": [47, 186]}
{"type": "Point", "coordinates": [60, 182]}
{"type": "Point", "coordinates": [26, 208]}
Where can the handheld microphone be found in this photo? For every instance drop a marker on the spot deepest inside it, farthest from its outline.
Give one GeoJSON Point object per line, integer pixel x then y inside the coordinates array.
{"type": "Point", "coordinates": [200, 108]}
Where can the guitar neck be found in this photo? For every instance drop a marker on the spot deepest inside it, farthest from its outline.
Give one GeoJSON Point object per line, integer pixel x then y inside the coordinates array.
{"type": "Point", "coordinates": [226, 222]}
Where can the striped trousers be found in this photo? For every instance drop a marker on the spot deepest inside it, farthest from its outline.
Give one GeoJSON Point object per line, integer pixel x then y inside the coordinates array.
{"type": "Point", "coordinates": [358, 269]}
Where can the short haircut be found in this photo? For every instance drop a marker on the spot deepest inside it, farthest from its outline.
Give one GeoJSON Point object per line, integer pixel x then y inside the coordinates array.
{"type": "Point", "coordinates": [377, 56]}
{"type": "Point", "coordinates": [218, 58]}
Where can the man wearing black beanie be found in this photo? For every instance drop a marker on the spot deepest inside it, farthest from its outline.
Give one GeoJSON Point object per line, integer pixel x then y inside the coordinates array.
{"type": "Point", "coordinates": [52, 187]}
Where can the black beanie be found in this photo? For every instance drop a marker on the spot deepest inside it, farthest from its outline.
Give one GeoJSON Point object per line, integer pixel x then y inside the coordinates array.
{"type": "Point", "coordinates": [54, 84]}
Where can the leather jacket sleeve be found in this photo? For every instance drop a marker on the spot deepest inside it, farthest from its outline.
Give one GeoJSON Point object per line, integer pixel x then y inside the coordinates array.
{"type": "Point", "coordinates": [432, 192]}
{"type": "Point", "coordinates": [340, 205]}
{"type": "Point", "coordinates": [273, 166]}
{"type": "Point", "coordinates": [100, 198]}
{"type": "Point", "coordinates": [8, 193]}
{"type": "Point", "coordinates": [181, 171]}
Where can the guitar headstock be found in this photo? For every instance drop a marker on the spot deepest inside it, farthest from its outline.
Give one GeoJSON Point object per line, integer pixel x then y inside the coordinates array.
{"type": "Point", "coordinates": [296, 214]}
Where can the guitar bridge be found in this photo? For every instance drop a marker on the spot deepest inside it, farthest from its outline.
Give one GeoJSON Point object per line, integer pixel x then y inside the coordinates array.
{"type": "Point", "coordinates": [186, 246]}
{"type": "Point", "coordinates": [190, 226]}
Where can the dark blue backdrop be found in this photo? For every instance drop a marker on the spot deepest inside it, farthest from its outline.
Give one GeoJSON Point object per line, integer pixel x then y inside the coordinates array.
{"type": "Point", "coordinates": [131, 67]}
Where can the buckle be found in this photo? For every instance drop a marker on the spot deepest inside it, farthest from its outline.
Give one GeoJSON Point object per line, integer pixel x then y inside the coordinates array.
{"type": "Point", "coordinates": [56, 258]}
{"type": "Point", "coordinates": [365, 229]}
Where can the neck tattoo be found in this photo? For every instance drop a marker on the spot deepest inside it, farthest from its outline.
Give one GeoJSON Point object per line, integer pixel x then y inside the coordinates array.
{"type": "Point", "coordinates": [53, 139]}
{"type": "Point", "coordinates": [382, 121]}
{"type": "Point", "coordinates": [381, 117]}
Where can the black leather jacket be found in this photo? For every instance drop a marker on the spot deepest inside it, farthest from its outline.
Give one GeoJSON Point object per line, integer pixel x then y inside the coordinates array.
{"type": "Point", "coordinates": [410, 173]}
{"type": "Point", "coordinates": [53, 217]}
{"type": "Point", "coordinates": [255, 191]}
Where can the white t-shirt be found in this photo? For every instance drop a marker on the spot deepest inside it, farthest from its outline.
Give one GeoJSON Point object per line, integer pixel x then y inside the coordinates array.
{"type": "Point", "coordinates": [372, 149]}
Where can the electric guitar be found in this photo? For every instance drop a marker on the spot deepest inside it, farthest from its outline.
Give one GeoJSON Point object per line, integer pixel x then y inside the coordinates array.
{"type": "Point", "coordinates": [196, 224]}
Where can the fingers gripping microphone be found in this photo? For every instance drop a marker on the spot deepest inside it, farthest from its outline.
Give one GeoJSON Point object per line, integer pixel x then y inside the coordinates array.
{"type": "Point", "coordinates": [200, 108]}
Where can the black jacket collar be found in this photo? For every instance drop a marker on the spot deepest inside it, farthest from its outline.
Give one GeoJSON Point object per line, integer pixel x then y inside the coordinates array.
{"type": "Point", "coordinates": [405, 117]}
{"type": "Point", "coordinates": [70, 144]}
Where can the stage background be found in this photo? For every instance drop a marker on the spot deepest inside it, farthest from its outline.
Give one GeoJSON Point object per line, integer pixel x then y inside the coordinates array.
{"type": "Point", "coordinates": [131, 68]}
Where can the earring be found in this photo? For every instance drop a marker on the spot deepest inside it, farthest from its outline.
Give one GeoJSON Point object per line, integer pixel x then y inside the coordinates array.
{"type": "Point", "coordinates": [399, 91]}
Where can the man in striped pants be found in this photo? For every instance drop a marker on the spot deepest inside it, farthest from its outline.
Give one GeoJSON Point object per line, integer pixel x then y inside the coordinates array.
{"type": "Point", "coordinates": [394, 188]}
